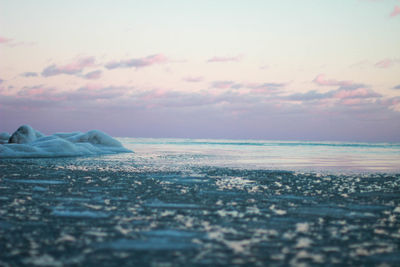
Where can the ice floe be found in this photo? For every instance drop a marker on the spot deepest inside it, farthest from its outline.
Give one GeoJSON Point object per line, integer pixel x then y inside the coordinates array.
{"type": "Point", "coordinates": [27, 142]}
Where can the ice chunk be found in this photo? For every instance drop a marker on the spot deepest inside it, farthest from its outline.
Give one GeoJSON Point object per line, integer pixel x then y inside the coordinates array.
{"type": "Point", "coordinates": [35, 181]}
{"type": "Point", "coordinates": [58, 212]}
{"type": "Point", "coordinates": [150, 244]}
{"type": "Point", "coordinates": [25, 134]}
{"type": "Point", "coordinates": [4, 138]}
{"type": "Point", "coordinates": [163, 205]}
{"type": "Point", "coordinates": [27, 142]}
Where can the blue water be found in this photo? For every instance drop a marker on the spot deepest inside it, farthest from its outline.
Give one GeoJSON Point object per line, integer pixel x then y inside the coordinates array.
{"type": "Point", "coordinates": [184, 202]}
{"type": "Point", "coordinates": [337, 157]}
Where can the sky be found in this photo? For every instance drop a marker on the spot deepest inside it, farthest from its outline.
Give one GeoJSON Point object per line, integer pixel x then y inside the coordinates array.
{"type": "Point", "coordinates": [257, 69]}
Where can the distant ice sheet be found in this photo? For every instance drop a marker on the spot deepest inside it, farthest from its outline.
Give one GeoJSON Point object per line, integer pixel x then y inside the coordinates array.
{"type": "Point", "coordinates": [27, 142]}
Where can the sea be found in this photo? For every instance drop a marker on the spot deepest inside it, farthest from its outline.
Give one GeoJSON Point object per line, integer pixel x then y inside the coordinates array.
{"type": "Point", "coordinates": [307, 156]}
{"type": "Point", "coordinates": [205, 202]}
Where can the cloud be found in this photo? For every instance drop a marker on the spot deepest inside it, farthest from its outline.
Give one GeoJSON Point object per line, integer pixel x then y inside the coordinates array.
{"type": "Point", "coordinates": [397, 87]}
{"type": "Point", "coordinates": [138, 62]}
{"type": "Point", "coordinates": [355, 91]}
{"type": "Point", "coordinates": [393, 103]}
{"type": "Point", "coordinates": [225, 59]}
{"type": "Point", "coordinates": [223, 84]}
{"type": "Point", "coordinates": [94, 93]}
{"type": "Point", "coordinates": [320, 80]}
{"type": "Point", "coordinates": [4, 40]}
{"type": "Point", "coordinates": [193, 79]}
{"type": "Point", "coordinates": [264, 87]}
{"type": "Point", "coordinates": [386, 63]}
{"type": "Point", "coordinates": [100, 96]}
{"type": "Point", "coordinates": [12, 43]}
{"type": "Point", "coordinates": [161, 98]}
{"type": "Point", "coordinates": [93, 75]}
{"type": "Point", "coordinates": [254, 87]}
{"type": "Point", "coordinates": [73, 68]}
{"type": "Point", "coordinates": [37, 92]}
{"type": "Point", "coordinates": [1, 81]}
{"type": "Point", "coordinates": [29, 74]}
{"type": "Point", "coordinates": [395, 12]}
{"type": "Point", "coordinates": [310, 95]}
{"type": "Point", "coordinates": [172, 99]}
{"type": "Point", "coordinates": [353, 86]}
{"type": "Point", "coordinates": [162, 111]}
{"type": "Point", "coordinates": [360, 64]}
{"type": "Point", "coordinates": [40, 95]}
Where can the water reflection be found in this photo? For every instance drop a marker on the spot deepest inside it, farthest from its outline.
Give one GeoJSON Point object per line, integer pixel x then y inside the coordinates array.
{"type": "Point", "coordinates": [303, 156]}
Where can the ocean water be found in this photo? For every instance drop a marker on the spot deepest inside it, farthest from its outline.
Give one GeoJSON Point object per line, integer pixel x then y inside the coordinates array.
{"type": "Point", "coordinates": [185, 202]}
{"type": "Point", "coordinates": [334, 157]}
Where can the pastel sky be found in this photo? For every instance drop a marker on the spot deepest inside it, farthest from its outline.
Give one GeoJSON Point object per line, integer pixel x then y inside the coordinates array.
{"type": "Point", "coordinates": [257, 69]}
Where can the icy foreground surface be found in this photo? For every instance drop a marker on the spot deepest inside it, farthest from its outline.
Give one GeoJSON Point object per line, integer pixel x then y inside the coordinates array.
{"type": "Point", "coordinates": [144, 210]}
{"type": "Point", "coordinates": [27, 142]}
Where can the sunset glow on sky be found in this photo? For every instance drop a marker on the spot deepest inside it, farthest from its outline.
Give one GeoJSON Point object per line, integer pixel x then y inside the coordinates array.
{"type": "Point", "coordinates": [286, 70]}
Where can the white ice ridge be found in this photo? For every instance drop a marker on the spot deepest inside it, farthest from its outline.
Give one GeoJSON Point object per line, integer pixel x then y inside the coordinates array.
{"type": "Point", "coordinates": [27, 142]}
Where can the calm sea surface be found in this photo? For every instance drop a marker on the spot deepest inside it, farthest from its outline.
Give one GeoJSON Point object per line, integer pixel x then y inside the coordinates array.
{"type": "Point", "coordinates": [185, 202]}
{"type": "Point", "coordinates": [337, 157]}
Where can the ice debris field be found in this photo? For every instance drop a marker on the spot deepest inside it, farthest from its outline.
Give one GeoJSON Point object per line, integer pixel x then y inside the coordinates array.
{"type": "Point", "coordinates": [28, 142]}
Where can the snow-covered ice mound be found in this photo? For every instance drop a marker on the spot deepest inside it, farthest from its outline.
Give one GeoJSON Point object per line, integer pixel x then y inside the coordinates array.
{"type": "Point", "coordinates": [27, 142]}
{"type": "Point", "coordinates": [4, 138]}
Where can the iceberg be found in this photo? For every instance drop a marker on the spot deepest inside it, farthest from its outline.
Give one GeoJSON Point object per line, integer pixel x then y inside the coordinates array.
{"type": "Point", "coordinates": [27, 142]}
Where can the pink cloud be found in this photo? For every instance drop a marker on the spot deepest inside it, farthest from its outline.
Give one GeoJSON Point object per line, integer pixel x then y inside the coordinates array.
{"type": "Point", "coordinates": [93, 87]}
{"type": "Point", "coordinates": [4, 40]}
{"type": "Point", "coordinates": [138, 62]}
{"type": "Point", "coordinates": [93, 75]}
{"type": "Point", "coordinates": [35, 91]}
{"type": "Point", "coordinates": [73, 68]}
{"type": "Point", "coordinates": [253, 86]}
{"type": "Point", "coordinates": [395, 12]}
{"type": "Point", "coordinates": [357, 93]}
{"type": "Point", "coordinates": [225, 59]}
{"type": "Point", "coordinates": [94, 92]}
{"type": "Point", "coordinates": [393, 101]}
{"type": "Point", "coordinates": [351, 102]}
{"type": "Point", "coordinates": [12, 43]}
{"type": "Point", "coordinates": [38, 92]}
{"type": "Point", "coordinates": [90, 92]}
{"type": "Point", "coordinates": [153, 94]}
{"type": "Point", "coordinates": [386, 63]}
{"type": "Point", "coordinates": [320, 80]}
